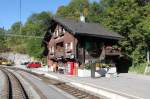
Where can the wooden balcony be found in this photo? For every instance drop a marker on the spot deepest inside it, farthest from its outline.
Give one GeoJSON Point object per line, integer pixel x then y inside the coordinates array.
{"type": "Point", "coordinates": [51, 56]}
{"type": "Point", "coordinates": [59, 54]}
{"type": "Point", "coordinates": [61, 34]}
{"type": "Point", "coordinates": [110, 51]}
{"type": "Point", "coordinates": [51, 53]}
{"type": "Point", "coordinates": [68, 50]}
{"type": "Point", "coordinates": [69, 56]}
{"type": "Point", "coordinates": [55, 37]}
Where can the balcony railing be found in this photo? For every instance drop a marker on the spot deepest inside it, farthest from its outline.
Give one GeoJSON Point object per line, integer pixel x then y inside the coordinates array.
{"type": "Point", "coordinates": [68, 50]}
{"type": "Point", "coordinates": [55, 36]}
{"type": "Point", "coordinates": [69, 55]}
{"type": "Point", "coordinates": [112, 51]}
{"type": "Point", "coordinates": [61, 34]}
{"type": "Point", "coordinates": [59, 54]}
{"type": "Point", "coordinates": [51, 55]}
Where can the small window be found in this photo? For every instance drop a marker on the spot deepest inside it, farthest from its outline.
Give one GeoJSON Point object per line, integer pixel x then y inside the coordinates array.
{"type": "Point", "coordinates": [50, 49]}
{"type": "Point", "coordinates": [57, 32]}
{"type": "Point", "coordinates": [66, 46]}
{"type": "Point", "coordinates": [71, 45]}
{"type": "Point", "coordinates": [64, 30]}
{"type": "Point", "coordinates": [53, 49]}
{"type": "Point", "coordinates": [60, 29]}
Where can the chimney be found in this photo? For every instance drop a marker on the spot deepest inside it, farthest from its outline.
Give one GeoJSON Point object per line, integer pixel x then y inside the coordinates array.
{"type": "Point", "coordinates": [82, 18]}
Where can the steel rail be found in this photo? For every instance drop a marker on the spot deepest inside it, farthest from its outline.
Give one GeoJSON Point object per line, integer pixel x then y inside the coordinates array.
{"type": "Point", "coordinates": [14, 89]}
{"type": "Point", "coordinates": [78, 93]}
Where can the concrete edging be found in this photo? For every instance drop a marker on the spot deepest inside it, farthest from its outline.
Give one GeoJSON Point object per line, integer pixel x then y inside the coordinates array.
{"type": "Point", "coordinates": [99, 91]}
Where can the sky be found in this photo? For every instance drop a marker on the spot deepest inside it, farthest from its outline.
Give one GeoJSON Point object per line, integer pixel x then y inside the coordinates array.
{"type": "Point", "coordinates": [10, 9]}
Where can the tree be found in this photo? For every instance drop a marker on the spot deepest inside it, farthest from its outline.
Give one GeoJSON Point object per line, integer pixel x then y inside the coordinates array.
{"type": "Point", "coordinates": [129, 18]}
{"type": "Point", "coordinates": [74, 9]}
{"type": "Point", "coordinates": [94, 12]}
{"type": "Point", "coordinates": [36, 25]}
{"type": "Point", "coordinates": [2, 40]}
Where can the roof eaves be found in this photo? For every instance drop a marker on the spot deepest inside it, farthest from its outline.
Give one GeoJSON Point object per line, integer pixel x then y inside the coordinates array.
{"type": "Point", "coordinates": [102, 36]}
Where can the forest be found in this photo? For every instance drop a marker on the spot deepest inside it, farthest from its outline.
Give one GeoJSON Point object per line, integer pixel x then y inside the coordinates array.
{"type": "Point", "coordinates": [130, 18]}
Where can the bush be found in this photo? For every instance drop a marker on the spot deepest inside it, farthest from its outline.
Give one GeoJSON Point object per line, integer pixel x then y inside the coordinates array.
{"type": "Point", "coordinates": [138, 69]}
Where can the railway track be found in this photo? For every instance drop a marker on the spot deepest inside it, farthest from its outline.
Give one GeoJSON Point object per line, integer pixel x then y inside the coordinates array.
{"type": "Point", "coordinates": [13, 88]}
{"type": "Point", "coordinates": [79, 94]}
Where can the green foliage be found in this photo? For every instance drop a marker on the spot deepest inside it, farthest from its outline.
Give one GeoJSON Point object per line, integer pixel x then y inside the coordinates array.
{"type": "Point", "coordinates": [34, 48]}
{"type": "Point", "coordinates": [138, 69]}
{"type": "Point", "coordinates": [2, 40]}
{"type": "Point", "coordinates": [36, 25]}
{"type": "Point", "coordinates": [130, 19]}
{"type": "Point", "coordinates": [95, 11]}
{"type": "Point", "coordinates": [74, 9]}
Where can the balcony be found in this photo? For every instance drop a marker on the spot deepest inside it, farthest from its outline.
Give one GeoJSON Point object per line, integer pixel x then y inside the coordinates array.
{"type": "Point", "coordinates": [55, 37]}
{"type": "Point", "coordinates": [110, 51]}
{"type": "Point", "coordinates": [68, 50]}
{"type": "Point", "coordinates": [69, 56]}
{"type": "Point", "coordinates": [59, 54]}
{"type": "Point", "coordinates": [51, 55]}
{"type": "Point", "coordinates": [61, 34]}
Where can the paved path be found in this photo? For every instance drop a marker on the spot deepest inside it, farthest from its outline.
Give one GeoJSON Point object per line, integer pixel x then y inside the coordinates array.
{"type": "Point", "coordinates": [127, 84]}
{"type": "Point", "coordinates": [133, 85]}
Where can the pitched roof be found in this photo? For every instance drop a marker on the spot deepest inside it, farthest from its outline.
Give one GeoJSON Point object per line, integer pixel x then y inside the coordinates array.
{"type": "Point", "coordinates": [81, 28]}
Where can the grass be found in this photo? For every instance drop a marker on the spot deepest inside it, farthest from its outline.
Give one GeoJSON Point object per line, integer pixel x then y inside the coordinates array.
{"type": "Point", "coordinates": [138, 69]}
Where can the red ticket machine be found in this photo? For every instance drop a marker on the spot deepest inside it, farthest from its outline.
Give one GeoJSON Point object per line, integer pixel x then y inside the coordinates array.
{"type": "Point", "coordinates": [70, 68]}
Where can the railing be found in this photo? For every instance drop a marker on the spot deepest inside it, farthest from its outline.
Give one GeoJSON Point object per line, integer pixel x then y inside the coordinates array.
{"type": "Point", "coordinates": [51, 55]}
{"type": "Point", "coordinates": [61, 34]}
{"type": "Point", "coordinates": [68, 50]}
{"type": "Point", "coordinates": [55, 36]}
{"type": "Point", "coordinates": [112, 51]}
{"type": "Point", "coordinates": [59, 54]}
{"type": "Point", "coordinates": [69, 55]}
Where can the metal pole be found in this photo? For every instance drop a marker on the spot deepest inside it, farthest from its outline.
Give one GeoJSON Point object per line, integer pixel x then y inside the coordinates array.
{"type": "Point", "coordinates": [93, 69]}
{"type": "Point", "coordinates": [20, 15]}
{"type": "Point", "coordinates": [148, 61]}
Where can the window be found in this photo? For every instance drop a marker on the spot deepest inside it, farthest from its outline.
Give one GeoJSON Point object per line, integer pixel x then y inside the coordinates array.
{"type": "Point", "coordinates": [64, 30]}
{"type": "Point", "coordinates": [69, 45]}
{"type": "Point", "coordinates": [60, 29]}
{"type": "Point", "coordinates": [57, 32]}
{"type": "Point", "coordinates": [51, 49]}
{"type": "Point", "coordinates": [54, 34]}
{"type": "Point", "coordinates": [66, 45]}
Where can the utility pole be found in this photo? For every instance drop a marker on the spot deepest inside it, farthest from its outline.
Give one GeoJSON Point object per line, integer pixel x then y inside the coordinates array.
{"type": "Point", "coordinates": [20, 15]}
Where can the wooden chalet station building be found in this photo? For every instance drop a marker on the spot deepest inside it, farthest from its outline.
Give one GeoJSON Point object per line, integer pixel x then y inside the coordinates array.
{"type": "Point", "coordinates": [71, 44]}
